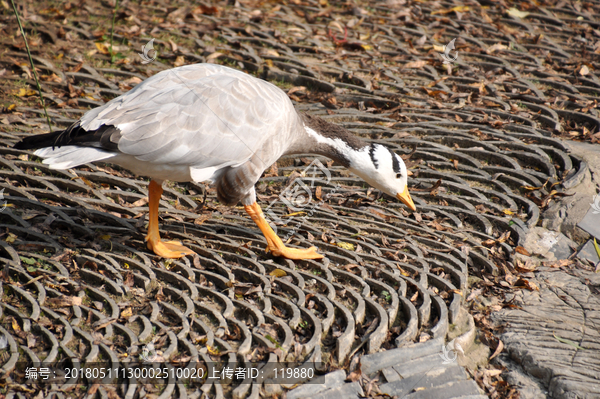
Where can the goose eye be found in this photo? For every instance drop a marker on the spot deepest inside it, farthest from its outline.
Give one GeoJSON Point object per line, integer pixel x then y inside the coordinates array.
{"type": "Point", "coordinates": [398, 175]}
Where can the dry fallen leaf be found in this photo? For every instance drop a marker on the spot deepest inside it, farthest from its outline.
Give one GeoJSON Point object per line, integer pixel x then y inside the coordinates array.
{"type": "Point", "coordinates": [522, 251]}
{"type": "Point", "coordinates": [451, 10]}
{"type": "Point", "coordinates": [206, 10]}
{"type": "Point", "coordinates": [214, 55]}
{"type": "Point", "coordinates": [584, 70]}
{"type": "Point", "coordinates": [64, 301]}
{"type": "Point", "coordinates": [498, 349]}
{"type": "Point", "coordinates": [102, 47]}
{"type": "Point", "coordinates": [11, 238]}
{"type": "Point", "coordinates": [530, 285]}
{"type": "Point", "coordinates": [513, 12]}
{"type": "Point", "coordinates": [179, 61]}
{"type": "Point", "coordinates": [26, 92]}
{"type": "Point", "coordinates": [345, 245]}
{"type": "Point", "coordinates": [140, 202]}
{"type": "Point", "coordinates": [278, 273]}
{"type": "Point", "coordinates": [415, 64]}
{"type": "Point", "coordinates": [496, 47]}
{"type": "Point", "coordinates": [354, 376]}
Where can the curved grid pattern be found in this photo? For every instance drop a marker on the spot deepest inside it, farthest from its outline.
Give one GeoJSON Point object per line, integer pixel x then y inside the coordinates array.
{"type": "Point", "coordinates": [79, 283]}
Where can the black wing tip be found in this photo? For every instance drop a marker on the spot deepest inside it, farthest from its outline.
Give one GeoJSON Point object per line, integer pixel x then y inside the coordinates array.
{"type": "Point", "coordinates": [37, 141]}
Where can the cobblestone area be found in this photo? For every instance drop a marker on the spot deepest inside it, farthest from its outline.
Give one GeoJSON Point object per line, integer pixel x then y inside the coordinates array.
{"type": "Point", "coordinates": [481, 136]}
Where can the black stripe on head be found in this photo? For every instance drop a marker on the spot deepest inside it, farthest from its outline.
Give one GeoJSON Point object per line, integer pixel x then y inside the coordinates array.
{"type": "Point", "coordinates": [372, 155]}
{"type": "Point", "coordinates": [396, 163]}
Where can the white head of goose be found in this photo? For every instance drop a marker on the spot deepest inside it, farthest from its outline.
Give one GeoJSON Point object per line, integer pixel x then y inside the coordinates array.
{"type": "Point", "coordinates": [207, 122]}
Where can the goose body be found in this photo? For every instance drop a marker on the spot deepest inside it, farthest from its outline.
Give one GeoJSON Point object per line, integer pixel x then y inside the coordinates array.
{"type": "Point", "coordinates": [206, 122]}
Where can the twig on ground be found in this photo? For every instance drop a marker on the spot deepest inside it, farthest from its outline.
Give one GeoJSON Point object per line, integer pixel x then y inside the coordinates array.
{"type": "Point", "coordinates": [37, 82]}
{"type": "Point", "coordinates": [112, 31]}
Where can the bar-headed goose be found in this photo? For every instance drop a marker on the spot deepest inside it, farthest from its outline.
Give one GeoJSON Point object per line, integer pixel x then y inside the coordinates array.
{"type": "Point", "coordinates": [207, 122]}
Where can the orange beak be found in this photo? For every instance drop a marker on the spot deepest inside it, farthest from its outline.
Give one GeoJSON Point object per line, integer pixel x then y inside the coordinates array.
{"type": "Point", "coordinates": [404, 196]}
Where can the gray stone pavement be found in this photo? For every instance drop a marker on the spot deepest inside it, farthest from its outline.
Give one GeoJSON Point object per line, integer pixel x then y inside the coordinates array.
{"type": "Point", "coordinates": [416, 371]}
{"type": "Point", "coordinates": [552, 336]}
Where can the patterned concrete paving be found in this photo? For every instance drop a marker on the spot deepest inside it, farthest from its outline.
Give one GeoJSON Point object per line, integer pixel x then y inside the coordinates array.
{"type": "Point", "coordinates": [481, 128]}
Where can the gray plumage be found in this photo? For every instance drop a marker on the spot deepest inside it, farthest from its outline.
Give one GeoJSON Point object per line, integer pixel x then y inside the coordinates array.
{"type": "Point", "coordinates": [193, 123]}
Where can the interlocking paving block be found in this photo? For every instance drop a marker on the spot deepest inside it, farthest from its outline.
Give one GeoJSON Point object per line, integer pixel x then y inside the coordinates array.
{"type": "Point", "coordinates": [347, 391]}
{"type": "Point", "coordinates": [591, 221]}
{"type": "Point", "coordinates": [472, 397]}
{"type": "Point", "coordinates": [449, 390]}
{"type": "Point", "coordinates": [550, 245]}
{"type": "Point", "coordinates": [483, 127]}
{"type": "Point", "coordinates": [588, 251]}
{"type": "Point", "coordinates": [328, 381]}
{"type": "Point", "coordinates": [434, 377]}
{"type": "Point", "coordinates": [377, 361]}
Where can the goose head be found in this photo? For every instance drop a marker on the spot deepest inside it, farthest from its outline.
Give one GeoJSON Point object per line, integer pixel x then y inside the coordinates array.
{"type": "Point", "coordinates": [382, 169]}
{"type": "Point", "coordinates": [374, 163]}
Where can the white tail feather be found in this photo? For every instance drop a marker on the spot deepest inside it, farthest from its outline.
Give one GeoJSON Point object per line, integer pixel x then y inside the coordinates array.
{"type": "Point", "coordinates": [70, 156]}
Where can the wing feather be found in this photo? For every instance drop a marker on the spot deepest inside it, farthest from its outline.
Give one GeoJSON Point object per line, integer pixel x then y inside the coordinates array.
{"type": "Point", "coordinates": [200, 115]}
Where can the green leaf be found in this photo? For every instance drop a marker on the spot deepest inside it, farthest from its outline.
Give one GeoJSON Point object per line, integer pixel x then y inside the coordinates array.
{"type": "Point", "coordinates": [273, 340]}
{"type": "Point", "coordinates": [29, 261]}
{"type": "Point", "coordinates": [597, 247]}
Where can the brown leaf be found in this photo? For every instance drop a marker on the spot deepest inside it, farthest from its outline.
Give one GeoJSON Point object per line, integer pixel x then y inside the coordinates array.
{"type": "Point", "coordinates": [102, 47]}
{"type": "Point", "coordinates": [179, 61]}
{"type": "Point", "coordinates": [354, 376]}
{"type": "Point", "coordinates": [206, 10]}
{"type": "Point", "coordinates": [201, 219]}
{"type": "Point", "coordinates": [63, 301]}
{"type": "Point", "coordinates": [77, 67]}
{"type": "Point", "coordinates": [415, 64]}
{"type": "Point", "coordinates": [418, 217]}
{"type": "Point", "coordinates": [128, 280]}
{"type": "Point", "coordinates": [140, 202]}
{"type": "Point", "coordinates": [435, 93]}
{"type": "Point", "coordinates": [530, 285]}
{"type": "Point", "coordinates": [318, 191]}
{"type": "Point", "coordinates": [522, 251]}
{"type": "Point", "coordinates": [456, 9]}
{"type": "Point", "coordinates": [91, 392]}
{"type": "Point", "coordinates": [100, 324]}
{"type": "Point", "coordinates": [381, 215]}
{"type": "Point", "coordinates": [498, 349]}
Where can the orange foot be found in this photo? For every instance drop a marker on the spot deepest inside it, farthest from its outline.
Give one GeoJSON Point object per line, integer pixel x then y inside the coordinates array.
{"type": "Point", "coordinates": [274, 243]}
{"type": "Point", "coordinates": [169, 249]}
{"type": "Point", "coordinates": [294, 253]}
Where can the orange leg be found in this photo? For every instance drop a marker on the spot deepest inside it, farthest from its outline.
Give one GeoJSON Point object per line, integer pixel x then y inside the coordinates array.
{"type": "Point", "coordinates": [274, 243]}
{"type": "Point", "coordinates": [166, 249]}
